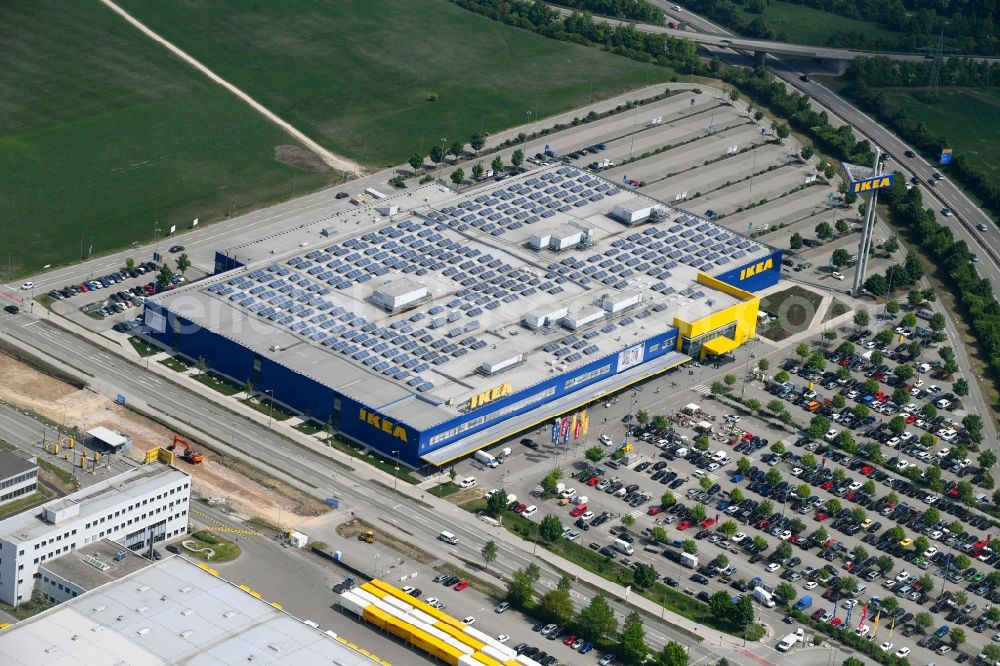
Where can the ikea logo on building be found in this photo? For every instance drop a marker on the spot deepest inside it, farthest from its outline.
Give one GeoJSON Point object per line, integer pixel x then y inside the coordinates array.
{"type": "Point", "coordinates": [870, 184]}
{"type": "Point", "coordinates": [759, 267]}
{"type": "Point", "coordinates": [494, 393]}
{"type": "Point", "coordinates": [383, 424]}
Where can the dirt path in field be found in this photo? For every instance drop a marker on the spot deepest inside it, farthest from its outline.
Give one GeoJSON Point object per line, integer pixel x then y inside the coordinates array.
{"type": "Point", "coordinates": [334, 161]}
{"type": "Point", "coordinates": [25, 388]}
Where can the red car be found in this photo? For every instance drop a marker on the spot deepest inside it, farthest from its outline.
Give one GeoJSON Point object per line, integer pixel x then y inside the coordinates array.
{"type": "Point", "coordinates": [570, 639]}
{"type": "Point", "coordinates": [708, 522]}
{"type": "Point", "coordinates": [910, 418]}
{"type": "Point", "coordinates": [655, 510]}
{"type": "Point", "coordinates": [578, 510]}
{"type": "Point", "coordinates": [520, 508]}
{"type": "Point", "coordinates": [684, 524]}
{"type": "Point", "coordinates": [837, 621]}
{"type": "Point", "coordinates": [867, 470]}
{"type": "Point", "coordinates": [593, 481]}
{"type": "Point", "coordinates": [762, 524]}
{"type": "Point", "coordinates": [461, 585]}
{"type": "Point", "coordinates": [850, 496]}
{"type": "Point", "coordinates": [846, 361]}
{"type": "Point", "coordinates": [827, 485]}
{"type": "Point", "coordinates": [821, 516]}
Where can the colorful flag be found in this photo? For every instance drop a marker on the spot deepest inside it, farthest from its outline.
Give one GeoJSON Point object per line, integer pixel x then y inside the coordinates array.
{"type": "Point", "coordinates": [847, 620]}
{"type": "Point", "coordinates": [576, 430]}
{"type": "Point", "coordinates": [555, 431]}
{"type": "Point", "coordinates": [565, 430]}
{"type": "Point", "coordinates": [892, 626]}
{"type": "Point", "coordinates": [586, 422]}
{"type": "Point", "coordinates": [864, 615]}
{"type": "Point", "coordinates": [875, 623]}
{"type": "Point", "coordinates": [836, 600]}
{"type": "Point", "coordinates": [572, 424]}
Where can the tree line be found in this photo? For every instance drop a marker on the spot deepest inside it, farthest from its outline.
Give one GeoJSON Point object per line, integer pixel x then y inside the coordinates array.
{"type": "Point", "coordinates": [974, 293]}
{"type": "Point", "coordinates": [635, 10]}
{"type": "Point", "coordinates": [581, 28]}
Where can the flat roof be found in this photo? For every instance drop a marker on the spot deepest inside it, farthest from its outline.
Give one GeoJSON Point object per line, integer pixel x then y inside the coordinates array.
{"type": "Point", "coordinates": [28, 525]}
{"type": "Point", "coordinates": [94, 565]}
{"type": "Point", "coordinates": [108, 436]}
{"type": "Point", "coordinates": [308, 308]}
{"type": "Point", "coordinates": [173, 612]}
{"type": "Point", "coordinates": [12, 464]}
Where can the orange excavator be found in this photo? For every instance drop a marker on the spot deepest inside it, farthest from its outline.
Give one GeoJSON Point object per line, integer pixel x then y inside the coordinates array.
{"type": "Point", "coordinates": [192, 456]}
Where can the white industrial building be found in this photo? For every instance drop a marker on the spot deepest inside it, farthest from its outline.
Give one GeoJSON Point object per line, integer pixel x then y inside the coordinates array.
{"type": "Point", "coordinates": [18, 477]}
{"type": "Point", "coordinates": [136, 508]}
{"type": "Point", "coordinates": [173, 612]}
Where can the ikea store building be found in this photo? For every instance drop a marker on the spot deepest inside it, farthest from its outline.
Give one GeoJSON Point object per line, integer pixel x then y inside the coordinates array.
{"type": "Point", "coordinates": [431, 324]}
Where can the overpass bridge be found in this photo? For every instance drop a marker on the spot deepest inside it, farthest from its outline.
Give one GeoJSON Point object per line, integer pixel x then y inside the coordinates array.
{"type": "Point", "coordinates": [835, 58]}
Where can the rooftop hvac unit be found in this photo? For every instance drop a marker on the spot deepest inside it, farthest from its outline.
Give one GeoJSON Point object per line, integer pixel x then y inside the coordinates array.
{"type": "Point", "coordinates": [493, 367]}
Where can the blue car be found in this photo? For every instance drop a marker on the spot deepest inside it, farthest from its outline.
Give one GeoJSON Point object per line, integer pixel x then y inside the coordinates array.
{"type": "Point", "coordinates": [586, 647]}
{"type": "Point", "coordinates": [942, 630]}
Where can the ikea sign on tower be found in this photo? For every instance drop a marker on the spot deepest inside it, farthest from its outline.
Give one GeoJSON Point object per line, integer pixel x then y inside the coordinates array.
{"type": "Point", "coordinates": [880, 182]}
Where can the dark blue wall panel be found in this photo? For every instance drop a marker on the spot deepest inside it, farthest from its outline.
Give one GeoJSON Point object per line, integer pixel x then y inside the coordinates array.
{"type": "Point", "coordinates": [756, 275]}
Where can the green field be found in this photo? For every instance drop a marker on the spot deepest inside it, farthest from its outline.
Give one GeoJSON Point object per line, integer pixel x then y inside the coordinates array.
{"type": "Point", "coordinates": [968, 117]}
{"type": "Point", "coordinates": [356, 75]}
{"type": "Point", "coordinates": [805, 25]}
{"type": "Point", "coordinates": [104, 134]}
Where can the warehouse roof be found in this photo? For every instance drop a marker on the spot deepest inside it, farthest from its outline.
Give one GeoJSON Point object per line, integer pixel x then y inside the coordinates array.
{"type": "Point", "coordinates": [310, 310]}
{"type": "Point", "coordinates": [173, 612]}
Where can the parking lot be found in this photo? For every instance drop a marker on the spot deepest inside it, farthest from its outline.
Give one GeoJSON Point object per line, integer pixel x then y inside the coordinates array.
{"type": "Point", "coordinates": [874, 507]}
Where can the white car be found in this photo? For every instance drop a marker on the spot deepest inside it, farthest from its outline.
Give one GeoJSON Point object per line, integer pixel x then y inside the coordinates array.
{"type": "Point", "coordinates": [902, 575]}
{"type": "Point", "coordinates": [837, 276]}
{"type": "Point", "coordinates": [468, 620]}
{"type": "Point", "coordinates": [773, 566]}
{"type": "Point", "coordinates": [810, 585]}
{"type": "Point", "coordinates": [605, 440]}
{"type": "Point", "coordinates": [573, 535]}
{"type": "Point", "coordinates": [530, 511]}
{"type": "Point", "coordinates": [739, 536]}
{"type": "Point", "coordinates": [944, 649]}
{"type": "Point", "coordinates": [902, 652]}
{"type": "Point", "coordinates": [863, 630]}
{"type": "Point", "coordinates": [431, 601]}
{"type": "Point", "coordinates": [786, 535]}
{"type": "Point", "coordinates": [503, 638]}
{"type": "Point", "coordinates": [28, 285]}
{"type": "Point", "coordinates": [796, 471]}
{"type": "Point", "coordinates": [850, 603]}
{"type": "Point", "coordinates": [467, 482]}
{"type": "Point", "coordinates": [886, 646]}
{"type": "Point", "coordinates": [930, 552]}
{"type": "Point", "coordinates": [733, 418]}
{"type": "Point", "coordinates": [408, 588]}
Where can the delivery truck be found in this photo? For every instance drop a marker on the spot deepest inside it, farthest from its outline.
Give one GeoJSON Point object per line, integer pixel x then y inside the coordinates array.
{"type": "Point", "coordinates": [763, 597]}
{"type": "Point", "coordinates": [789, 640]}
{"type": "Point", "coordinates": [486, 459]}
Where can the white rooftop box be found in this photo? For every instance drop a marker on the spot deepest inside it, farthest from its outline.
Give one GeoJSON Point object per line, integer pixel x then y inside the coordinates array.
{"type": "Point", "coordinates": [585, 315]}
{"type": "Point", "coordinates": [619, 301]}
{"type": "Point", "coordinates": [632, 211]}
{"type": "Point", "coordinates": [536, 320]}
{"type": "Point", "coordinates": [395, 294]}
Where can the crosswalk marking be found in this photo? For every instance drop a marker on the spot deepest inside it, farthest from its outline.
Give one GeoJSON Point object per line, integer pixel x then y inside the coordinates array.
{"type": "Point", "coordinates": [701, 389]}
{"type": "Point", "coordinates": [222, 527]}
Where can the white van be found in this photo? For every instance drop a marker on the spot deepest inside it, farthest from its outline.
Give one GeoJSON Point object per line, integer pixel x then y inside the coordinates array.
{"type": "Point", "coordinates": [623, 547]}
{"type": "Point", "coordinates": [467, 482]}
{"type": "Point", "coordinates": [681, 453]}
{"type": "Point", "coordinates": [448, 537]}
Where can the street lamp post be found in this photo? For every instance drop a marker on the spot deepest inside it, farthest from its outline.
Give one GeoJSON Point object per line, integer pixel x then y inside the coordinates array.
{"type": "Point", "coordinates": [270, 407]}
{"type": "Point", "coordinates": [395, 472]}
